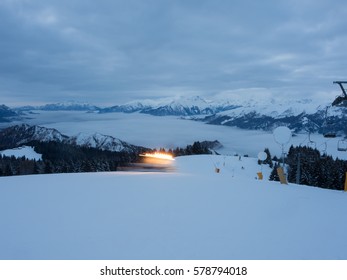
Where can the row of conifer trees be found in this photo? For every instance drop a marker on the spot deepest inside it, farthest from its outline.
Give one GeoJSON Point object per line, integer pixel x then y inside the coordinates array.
{"type": "Point", "coordinates": [65, 158]}
{"type": "Point", "coordinates": [306, 166]}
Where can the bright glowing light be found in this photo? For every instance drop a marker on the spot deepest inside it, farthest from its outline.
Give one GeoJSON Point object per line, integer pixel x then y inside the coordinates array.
{"type": "Point", "coordinates": [158, 156]}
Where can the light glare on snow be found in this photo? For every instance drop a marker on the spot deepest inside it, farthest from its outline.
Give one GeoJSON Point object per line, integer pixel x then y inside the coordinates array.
{"type": "Point", "coordinates": [157, 155]}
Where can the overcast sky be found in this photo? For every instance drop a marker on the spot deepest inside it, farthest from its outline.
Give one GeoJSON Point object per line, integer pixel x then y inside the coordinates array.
{"type": "Point", "coordinates": [110, 52]}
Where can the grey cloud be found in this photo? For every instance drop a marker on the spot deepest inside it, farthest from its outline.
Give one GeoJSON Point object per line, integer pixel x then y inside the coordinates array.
{"type": "Point", "coordinates": [114, 51]}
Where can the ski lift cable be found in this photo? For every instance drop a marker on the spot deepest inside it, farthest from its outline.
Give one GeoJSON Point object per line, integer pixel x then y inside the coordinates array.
{"type": "Point", "coordinates": [210, 157]}
{"type": "Point", "coordinates": [304, 141]}
{"type": "Point", "coordinates": [311, 144]}
{"type": "Point", "coordinates": [325, 146]}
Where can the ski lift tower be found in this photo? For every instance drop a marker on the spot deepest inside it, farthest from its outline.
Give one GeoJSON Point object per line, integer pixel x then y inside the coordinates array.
{"type": "Point", "coordinates": [282, 136]}
{"type": "Point", "coordinates": [340, 100]}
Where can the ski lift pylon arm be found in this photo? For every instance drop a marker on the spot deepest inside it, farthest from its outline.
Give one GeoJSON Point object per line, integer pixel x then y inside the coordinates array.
{"type": "Point", "coordinates": [341, 99]}
{"type": "Point", "coordinates": [341, 86]}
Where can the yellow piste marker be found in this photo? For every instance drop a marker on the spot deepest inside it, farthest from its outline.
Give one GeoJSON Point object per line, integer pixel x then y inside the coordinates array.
{"type": "Point", "coordinates": [282, 176]}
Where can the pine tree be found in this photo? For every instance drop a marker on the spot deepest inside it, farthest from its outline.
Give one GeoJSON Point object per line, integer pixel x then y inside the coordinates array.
{"type": "Point", "coordinates": [48, 167]}
{"type": "Point", "coordinates": [275, 158]}
{"type": "Point", "coordinates": [87, 166]}
{"type": "Point", "coordinates": [274, 176]}
{"type": "Point", "coordinates": [36, 168]}
{"type": "Point", "coordinates": [189, 150]}
{"type": "Point", "coordinates": [8, 170]}
{"type": "Point", "coordinates": [268, 159]}
{"type": "Point", "coordinates": [197, 149]}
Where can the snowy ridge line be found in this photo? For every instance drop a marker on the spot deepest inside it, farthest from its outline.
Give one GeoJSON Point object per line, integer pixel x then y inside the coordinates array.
{"type": "Point", "coordinates": [197, 105]}
{"type": "Point", "coordinates": [61, 106]}
{"type": "Point", "coordinates": [18, 135]}
{"type": "Point", "coordinates": [194, 105]}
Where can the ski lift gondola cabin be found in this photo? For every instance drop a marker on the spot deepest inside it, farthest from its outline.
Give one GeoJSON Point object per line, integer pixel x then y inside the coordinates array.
{"type": "Point", "coordinates": [328, 132]}
{"type": "Point", "coordinates": [342, 145]}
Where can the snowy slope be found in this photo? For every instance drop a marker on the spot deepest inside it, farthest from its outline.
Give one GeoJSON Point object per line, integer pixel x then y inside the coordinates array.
{"type": "Point", "coordinates": [27, 152]}
{"type": "Point", "coordinates": [193, 213]}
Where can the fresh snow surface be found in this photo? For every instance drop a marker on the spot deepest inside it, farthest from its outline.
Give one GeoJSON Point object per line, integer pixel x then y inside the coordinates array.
{"type": "Point", "coordinates": [191, 213]}
{"type": "Point", "coordinates": [25, 151]}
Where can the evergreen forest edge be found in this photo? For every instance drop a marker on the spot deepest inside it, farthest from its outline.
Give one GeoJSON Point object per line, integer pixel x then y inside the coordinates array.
{"type": "Point", "coordinates": [304, 165]}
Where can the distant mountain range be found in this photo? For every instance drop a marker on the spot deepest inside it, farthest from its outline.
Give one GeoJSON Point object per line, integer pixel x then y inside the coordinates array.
{"type": "Point", "coordinates": [18, 135]}
{"type": "Point", "coordinates": [65, 106]}
{"type": "Point", "coordinates": [6, 114]}
{"type": "Point", "coordinates": [322, 119]}
{"type": "Point", "coordinates": [300, 115]}
{"type": "Point", "coordinates": [182, 106]}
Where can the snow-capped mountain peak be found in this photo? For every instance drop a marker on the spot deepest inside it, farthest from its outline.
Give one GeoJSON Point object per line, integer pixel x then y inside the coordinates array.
{"type": "Point", "coordinates": [18, 135]}
{"type": "Point", "coordinates": [21, 134]}
{"type": "Point", "coordinates": [100, 141]}
{"type": "Point", "coordinates": [196, 105]}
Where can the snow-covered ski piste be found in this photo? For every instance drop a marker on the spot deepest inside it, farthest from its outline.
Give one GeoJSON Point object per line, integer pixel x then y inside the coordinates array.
{"type": "Point", "coordinates": [189, 213]}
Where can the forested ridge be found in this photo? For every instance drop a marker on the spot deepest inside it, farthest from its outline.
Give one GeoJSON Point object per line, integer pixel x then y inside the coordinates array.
{"type": "Point", "coordinates": [64, 158]}
{"type": "Point", "coordinates": [58, 157]}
